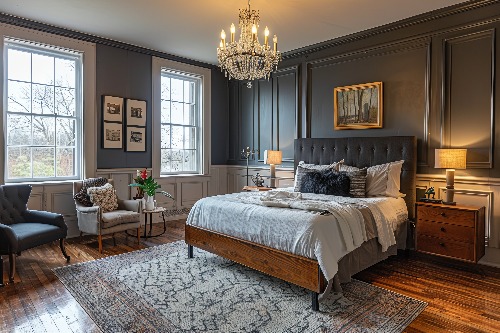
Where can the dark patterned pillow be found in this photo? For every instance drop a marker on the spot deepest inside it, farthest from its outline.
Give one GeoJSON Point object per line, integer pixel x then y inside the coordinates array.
{"type": "Point", "coordinates": [357, 182]}
{"type": "Point", "coordinates": [82, 196]}
{"type": "Point", "coordinates": [325, 182]}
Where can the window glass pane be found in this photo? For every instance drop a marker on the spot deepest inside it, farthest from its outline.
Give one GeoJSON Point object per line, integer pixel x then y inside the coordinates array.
{"type": "Point", "coordinates": [43, 162]}
{"type": "Point", "coordinates": [19, 95]}
{"type": "Point", "coordinates": [190, 138]}
{"type": "Point", "coordinates": [176, 160]}
{"type": "Point", "coordinates": [165, 111]}
{"type": "Point", "coordinates": [177, 113]}
{"type": "Point", "coordinates": [187, 92]}
{"type": "Point", "coordinates": [43, 99]}
{"type": "Point", "coordinates": [177, 137]}
{"type": "Point", "coordinates": [65, 162]}
{"type": "Point", "coordinates": [43, 131]}
{"type": "Point", "coordinates": [18, 130]}
{"type": "Point", "coordinates": [18, 162]}
{"type": "Point", "coordinates": [43, 69]}
{"type": "Point", "coordinates": [19, 65]}
{"type": "Point", "coordinates": [177, 90]}
{"type": "Point", "coordinates": [190, 160]}
{"type": "Point", "coordinates": [66, 132]}
{"type": "Point", "coordinates": [189, 115]}
{"type": "Point", "coordinates": [165, 136]}
{"type": "Point", "coordinates": [166, 155]}
{"type": "Point", "coordinates": [65, 101]}
{"type": "Point", "coordinates": [165, 88]}
{"type": "Point", "coordinates": [65, 73]}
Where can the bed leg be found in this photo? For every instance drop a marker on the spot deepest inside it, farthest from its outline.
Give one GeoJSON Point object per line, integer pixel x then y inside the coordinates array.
{"type": "Point", "coordinates": [190, 251]}
{"type": "Point", "coordinates": [315, 301]}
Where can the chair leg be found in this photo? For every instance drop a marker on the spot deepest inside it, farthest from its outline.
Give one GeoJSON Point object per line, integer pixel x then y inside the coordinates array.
{"type": "Point", "coordinates": [63, 249]}
{"type": "Point", "coordinates": [138, 235]}
{"type": "Point", "coordinates": [12, 266]}
{"type": "Point", "coordinates": [1, 271]}
{"type": "Point", "coordinates": [99, 240]}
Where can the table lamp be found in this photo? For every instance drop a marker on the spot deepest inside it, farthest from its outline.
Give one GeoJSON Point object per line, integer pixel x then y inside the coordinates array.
{"type": "Point", "coordinates": [273, 157]}
{"type": "Point", "coordinates": [450, 159]}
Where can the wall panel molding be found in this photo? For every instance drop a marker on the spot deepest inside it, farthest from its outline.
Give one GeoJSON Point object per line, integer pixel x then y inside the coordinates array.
{"type": "Point", "coordinates": [469, 107]}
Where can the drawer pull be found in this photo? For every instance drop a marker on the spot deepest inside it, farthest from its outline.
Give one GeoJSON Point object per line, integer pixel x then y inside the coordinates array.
{"type": "Point", "coordinates": [442, 214]}
{"type": "Point", "coordinates": [443, 229]}
{"type": "Point", "coordinates": [442, 244]}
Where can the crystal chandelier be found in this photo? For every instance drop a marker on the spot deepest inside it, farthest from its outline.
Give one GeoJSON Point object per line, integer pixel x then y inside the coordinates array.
{"type": "Point", "coordinates": [246, 59]}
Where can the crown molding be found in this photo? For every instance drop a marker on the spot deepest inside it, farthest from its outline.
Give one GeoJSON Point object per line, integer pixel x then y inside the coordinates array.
{"type": "Point", "coordinates": [48, 28]}
{"type": "Point", "coordinates": [404, 23]}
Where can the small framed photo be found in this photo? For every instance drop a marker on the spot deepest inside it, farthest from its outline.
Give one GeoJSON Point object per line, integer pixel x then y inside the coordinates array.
{"type": "Point", "coordinates": [136, 138]}
{"type": "Point", "coordinates": [136, 112]}
{"type": "Point", "coordinates": [113, 137]}
{"type": "Point", "coordinates": [112, 109]}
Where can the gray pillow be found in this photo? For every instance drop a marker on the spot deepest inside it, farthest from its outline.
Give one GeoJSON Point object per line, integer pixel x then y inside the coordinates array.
{"type": "Point", "coordinates": [325, 182]}
{"type": "Point", "coordinates": [357, 187]}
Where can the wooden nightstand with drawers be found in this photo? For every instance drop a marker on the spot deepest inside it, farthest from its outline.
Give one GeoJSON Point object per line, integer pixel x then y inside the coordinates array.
{"type": "Point", "coordinates": [450, 231]}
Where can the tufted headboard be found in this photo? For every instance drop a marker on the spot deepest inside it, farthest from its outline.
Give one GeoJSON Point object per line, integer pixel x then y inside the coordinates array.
{"type": "Point", "coordinates": [365, 152]}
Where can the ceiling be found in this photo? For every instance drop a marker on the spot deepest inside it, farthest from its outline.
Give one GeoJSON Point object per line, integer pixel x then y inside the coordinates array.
{"type": "Point", "coordinates": [191, 28]}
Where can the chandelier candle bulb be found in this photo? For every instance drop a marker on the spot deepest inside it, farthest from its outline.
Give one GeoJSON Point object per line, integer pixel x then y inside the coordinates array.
{"type": "Point", "coordinates": [275, 40]}
{"type": "Point", "coordinates": [223, 38]}
{"type": "Point", "coordinates": [233, 30]}
{"type": "Point", "coordinates": [266, 36]}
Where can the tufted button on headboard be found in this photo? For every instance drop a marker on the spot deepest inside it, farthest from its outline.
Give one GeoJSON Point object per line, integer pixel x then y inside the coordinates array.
{"type": "Point", "coordinates": [365, 152]}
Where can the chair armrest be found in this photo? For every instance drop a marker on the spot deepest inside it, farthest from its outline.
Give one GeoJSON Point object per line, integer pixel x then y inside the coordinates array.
{"type": "Point", "coordinates": [8, 233]}
{"type": "Point", "coordinates": [40, 216]}
{"type": "Point", "coordinates": [132, 205]}
{"type": "Point", "coordinates": [88, 210]}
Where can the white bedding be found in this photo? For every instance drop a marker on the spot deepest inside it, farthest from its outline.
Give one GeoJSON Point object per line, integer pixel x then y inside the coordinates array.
{"type": "Point", "coordinates": [302, 229]}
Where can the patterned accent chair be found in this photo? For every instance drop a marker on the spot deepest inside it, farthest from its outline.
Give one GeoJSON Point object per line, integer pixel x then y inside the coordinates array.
{"type": "Point", "coordinates": [92, 220]}
{"type": "Point", "coordinates": [22, 229]}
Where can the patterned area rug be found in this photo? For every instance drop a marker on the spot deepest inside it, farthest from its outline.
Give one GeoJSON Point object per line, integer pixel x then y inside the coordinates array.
{"type": "Point", "coordinates": [160, 290]}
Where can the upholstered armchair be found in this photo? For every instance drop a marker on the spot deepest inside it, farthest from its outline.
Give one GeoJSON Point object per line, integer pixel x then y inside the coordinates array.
{"type": "Point", "coordinates": [95, 220]}
{"type": "Point", "coordinates": [22, 229]}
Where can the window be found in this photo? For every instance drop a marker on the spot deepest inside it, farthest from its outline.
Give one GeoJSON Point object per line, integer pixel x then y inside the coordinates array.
{"type": "Point", "coordinates": [43, 112]}
{"type": "Point", "coordinates": [181, 131]}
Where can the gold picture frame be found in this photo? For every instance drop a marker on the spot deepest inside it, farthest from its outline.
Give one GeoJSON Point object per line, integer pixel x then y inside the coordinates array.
{"type": "Point", "coordinates": [358, 106]}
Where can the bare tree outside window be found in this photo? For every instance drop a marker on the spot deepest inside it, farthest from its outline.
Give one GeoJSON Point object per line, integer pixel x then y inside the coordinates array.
{"type": "Point", "coordinates": [42, 113]}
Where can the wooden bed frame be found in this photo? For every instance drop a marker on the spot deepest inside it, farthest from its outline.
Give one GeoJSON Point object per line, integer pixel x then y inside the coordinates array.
{"type": "Point", "coordinates": [302, 271]}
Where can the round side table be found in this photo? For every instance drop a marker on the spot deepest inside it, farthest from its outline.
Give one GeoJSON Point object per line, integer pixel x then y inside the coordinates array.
{"type": "Point", "coordinates": [157, 210]}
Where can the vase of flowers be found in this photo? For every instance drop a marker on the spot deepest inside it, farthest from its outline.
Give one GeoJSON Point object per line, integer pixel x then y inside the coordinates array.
{"type": "Point", "coordinates": [148, 186]}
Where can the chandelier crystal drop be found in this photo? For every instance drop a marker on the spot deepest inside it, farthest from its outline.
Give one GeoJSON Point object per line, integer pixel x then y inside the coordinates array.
{"type": "Point", "coordinates": [246, 59]}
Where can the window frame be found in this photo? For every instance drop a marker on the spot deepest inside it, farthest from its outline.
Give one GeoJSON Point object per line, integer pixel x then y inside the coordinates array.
{"type": "Point", "coordinates": [89, 120]}
{"type": "Point", "coordinates": [62, 53]}
{"type": "Point", "coordinates": [197, 80]}
{"type": "Point", "coordinates": [159, 64]}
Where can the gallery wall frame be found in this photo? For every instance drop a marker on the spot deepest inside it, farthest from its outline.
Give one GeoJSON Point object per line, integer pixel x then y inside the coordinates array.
{"type": "Point", "coordinates": [135, 138]}
{"type": "Point", "coordinates": [358, 106]}
{"type": "Point", "coordinates": [136, 112]}
{"type": "Point", "coordinates": [112, 135]}
{"type": "Point", "coordinates": [112, 109]}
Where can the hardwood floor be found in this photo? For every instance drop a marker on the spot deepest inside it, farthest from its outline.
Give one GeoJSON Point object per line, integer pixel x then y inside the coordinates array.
{"type": "Point", "coordinates": [461, 297]}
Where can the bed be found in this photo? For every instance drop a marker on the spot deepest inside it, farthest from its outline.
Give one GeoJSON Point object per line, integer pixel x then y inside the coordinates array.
{"type": "Point", "coordinates": [305, 271]}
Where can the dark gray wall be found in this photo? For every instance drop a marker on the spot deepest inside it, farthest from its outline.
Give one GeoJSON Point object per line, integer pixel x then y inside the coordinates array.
{"type": "Point", "coordinates": [124, 74]}
{"type": "Point", "coordinates": [439, 78]}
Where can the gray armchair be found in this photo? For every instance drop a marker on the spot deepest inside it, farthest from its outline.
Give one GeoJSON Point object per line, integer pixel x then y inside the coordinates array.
{"type": "Point", "coordinates": [22, 229]}
{"type": "Point", "coordinates": [91, 220]}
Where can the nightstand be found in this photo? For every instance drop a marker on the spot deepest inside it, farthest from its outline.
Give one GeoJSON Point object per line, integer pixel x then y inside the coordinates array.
{"type": "Point", "coordinates": [450, 231]}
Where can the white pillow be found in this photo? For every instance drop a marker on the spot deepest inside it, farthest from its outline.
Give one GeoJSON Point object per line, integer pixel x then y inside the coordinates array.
{"type": "Point", "coordinates": [381, 180]}
{"type": "Point", "coordinates": [316, 167]}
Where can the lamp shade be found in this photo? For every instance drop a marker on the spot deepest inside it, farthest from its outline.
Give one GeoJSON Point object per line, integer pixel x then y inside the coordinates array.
{"type": "Point", "coordinates": [451, 158]}
{"type": "Point", "coordinates": [272, 156]}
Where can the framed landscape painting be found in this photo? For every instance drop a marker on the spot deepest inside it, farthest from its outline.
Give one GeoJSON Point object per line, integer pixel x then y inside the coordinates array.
{"type": "Point", "coordinates": [136, 138]}
{"type": "Point", "coordinates": [358, 106]}
{"type": "Point", "coordinates": [112, 135]}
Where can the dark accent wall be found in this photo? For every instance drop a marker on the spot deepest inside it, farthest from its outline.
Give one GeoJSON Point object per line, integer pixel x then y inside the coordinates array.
{"type": "Point", "coordinates": [124, 74]}
{"type": "Point", "coordinates": [440, 84]}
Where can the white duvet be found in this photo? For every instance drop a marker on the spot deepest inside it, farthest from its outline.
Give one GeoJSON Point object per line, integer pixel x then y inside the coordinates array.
{"type": "Point", "coordinates": [321, 227]}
